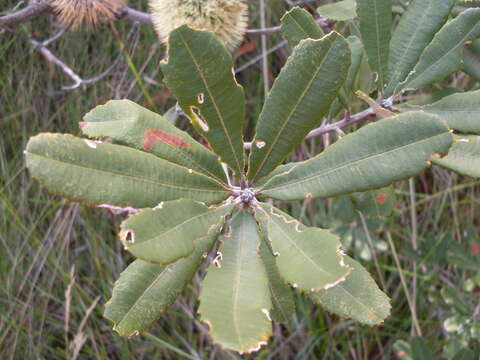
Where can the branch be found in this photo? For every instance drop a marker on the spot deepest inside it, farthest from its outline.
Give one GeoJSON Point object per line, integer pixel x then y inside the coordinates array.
{"type": "Point", "coordinates": [39, 7]}
{"type": "Point", "coordinates": [348, 120]}
{"type": "Point", "coordinates": [33, 9]}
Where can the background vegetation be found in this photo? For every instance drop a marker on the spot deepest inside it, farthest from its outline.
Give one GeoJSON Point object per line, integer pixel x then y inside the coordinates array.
{"type": "Point", "coordinates": [58, 260]}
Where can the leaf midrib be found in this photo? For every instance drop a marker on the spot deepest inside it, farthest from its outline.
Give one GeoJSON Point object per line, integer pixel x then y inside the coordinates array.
{"type": "Point", "coordinates": [178, 150]}
{"type": "Point", "coordinates": [398, 72]}
{"type": "Point", "coordinates": [208, 212]}
{"type": "Point", "coordinates": [306, 255]}
{"type": "Point", "coordinates": [294, 109]}
{"type": "Point", "coordinates": [215, 105]}
{"type": "Point", "coordinates": [296, 182]}
{"type": "Point", "coordinates": [109, 172]}
{"type": "Point", "coordinates": [434, 64]}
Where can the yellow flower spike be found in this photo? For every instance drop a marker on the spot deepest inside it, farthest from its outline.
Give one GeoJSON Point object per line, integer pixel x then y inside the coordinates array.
{"type": "Point", "coordinates": [227, 19]}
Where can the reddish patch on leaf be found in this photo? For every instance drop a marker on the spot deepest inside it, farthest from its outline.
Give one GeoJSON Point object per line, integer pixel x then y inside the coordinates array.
{"type": "Point", "coordinates": [476, 249]}
{"type": "Point", "coordinates": [381, 198]}
{"type": "Point", "coordinates": [82, 124]}
{"type": "Point", "coordinates": [153, 135]}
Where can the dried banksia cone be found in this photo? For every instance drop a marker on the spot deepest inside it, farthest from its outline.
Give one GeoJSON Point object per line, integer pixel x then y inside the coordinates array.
{"type": "Point", "coordinates": [227, 19]}
{"type": "Point", "coordinates": [73, 13]}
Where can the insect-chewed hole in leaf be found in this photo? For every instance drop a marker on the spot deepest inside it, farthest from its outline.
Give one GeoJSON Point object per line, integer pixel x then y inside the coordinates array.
{"type": "Point", "coordinates": [159, 206]}
{"type": "Point", "coordinates": [129, 237]}
{"type": "Point", "coordinates": [199, 118]}
{"type": "Point", "coordinates": [91, 144]}
{"type": "Point", "coordinates": [267, 314]}
{"type": "Point", "coordinates": [260, 144]}
{"type": "Point", "coordinates": [217, 259]}
{"type": "Point", "coordinates": [201, 98]}
{"type": "Point", "coordinates": [135, 333]}
{"type": "Point", "coordinates": [153, 136]}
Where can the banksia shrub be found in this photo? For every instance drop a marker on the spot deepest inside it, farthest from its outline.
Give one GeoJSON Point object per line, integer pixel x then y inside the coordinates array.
{"type": "Point", "coordinates": [73, 13]}
{"type": "Point", "coordinates": [227, 19]}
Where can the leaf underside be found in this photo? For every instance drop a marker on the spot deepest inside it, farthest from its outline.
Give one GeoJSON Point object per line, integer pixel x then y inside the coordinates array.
{"type": "Point", "coordinates": [299, 98]}
{"type": "Point", "coordinates": [374, 156]}
{"type": "Point", "coordinates": [169, 232]}
{"type": "Point", "coordinates": [97, 173]}
{"type": "Point", "coordinates": [235, 298]}
{"type": "Point", "coordinates": [128, 123]}
{"type": "Point", "coordinates": [309, 259]}
{"type": "Point", "coordinates": [358, 297]}
{"type": "Point", "coordinates": [199, 74]}
{"type": "Point", "coordinates": [144, 291]}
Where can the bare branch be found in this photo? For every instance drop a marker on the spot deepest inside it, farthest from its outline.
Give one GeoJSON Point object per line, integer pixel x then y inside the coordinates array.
{"type": "Point", "coordinates": [33, 9]}
{"type": "Point", "coordinates": [337, 126]}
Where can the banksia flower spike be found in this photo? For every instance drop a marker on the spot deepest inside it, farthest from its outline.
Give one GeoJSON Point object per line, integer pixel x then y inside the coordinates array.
{"type": "Point", "coordinates": [227, 19]}
{"type": "Point", "coordinates": [73, 13]}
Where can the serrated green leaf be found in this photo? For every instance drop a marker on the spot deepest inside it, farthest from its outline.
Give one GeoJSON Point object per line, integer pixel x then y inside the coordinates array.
{"type": "Point", "coordinates": [130, 124]}
{"type": "Point", "coordinates": [463, 157]}
{"type": "Point", "coordinates": [444, 54]}
{"type": "Point", "coordinates": [375, 203]}
{"type": "Point", "coordinates": [144, 291]}
{"type": "Point", "coordinates": [235, 299]}
{"type": "Point", "coordinates": [281, 293]}
{"type": "Point", "coordinates": [95, 173]}
{"type": "Point", "coordinates": [308, 258]}
{"type": "Point", "coordinates": [461, 111]}
{"type": "Point", "coordinates": [297, 25]}
{"type": "Point", "coordinates": [358, 297]}
{"type": "Point", "coordinates": [414, 32]}
{"type": "Point", "coordinates": [199, 74]}
{"type": "Point", "coordinates": [375, 20]}
{"type": "Point", "coordinates": [300, 97]}
{"type": "Point", "coordinates": [377, 155]}
{"type": "Point", "coordinates": [339, 11]}
{"type": "Point", "coordinates": [169, 232]}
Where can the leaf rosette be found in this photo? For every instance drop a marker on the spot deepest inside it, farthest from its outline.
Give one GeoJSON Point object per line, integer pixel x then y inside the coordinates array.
{"type": "Point", "coordinates": [196, 205]}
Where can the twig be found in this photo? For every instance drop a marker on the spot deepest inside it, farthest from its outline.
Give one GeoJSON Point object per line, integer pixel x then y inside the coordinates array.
{"type": "Point", "coordinates": [263, 40]}
{"type": "Point", "coordinates": [39, 7]}
{"type": "Point", "coordinates": [33, 9]}
{"type": "Point", "coordinates": [77, 80]}
{"type": "Point", "coordinates": [348, 120]}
